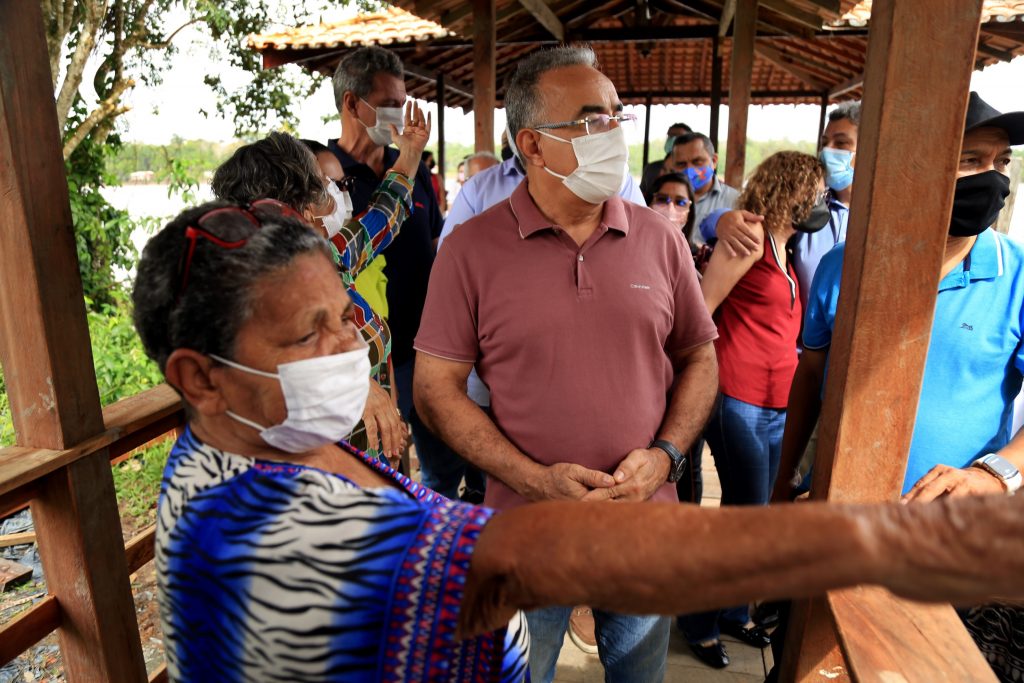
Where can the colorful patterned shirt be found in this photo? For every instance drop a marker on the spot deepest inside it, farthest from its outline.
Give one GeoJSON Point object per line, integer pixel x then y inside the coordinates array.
{"type": "Point", "coordinates": [270, 571]}
{"type": "Point", "coordinates": [361, 240]}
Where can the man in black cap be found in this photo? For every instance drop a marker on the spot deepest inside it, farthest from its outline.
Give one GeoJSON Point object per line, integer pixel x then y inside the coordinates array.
{"type": "Point", "coordinates": [962, 442]}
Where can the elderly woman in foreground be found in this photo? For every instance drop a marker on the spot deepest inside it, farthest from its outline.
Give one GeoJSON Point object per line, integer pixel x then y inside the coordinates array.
{"type": "Point", "coordinates": [283, 554]}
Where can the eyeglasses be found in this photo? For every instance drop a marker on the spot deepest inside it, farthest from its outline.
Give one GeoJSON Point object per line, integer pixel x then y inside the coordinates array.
{"type": "Point", "coordinates": [346, 183]}
{"type": "Point", "coordinates": [595, 123]}
{"type": "Point", "coordinates": [217, 220]}
{"type": "Point", "coordinates": [665, 200]}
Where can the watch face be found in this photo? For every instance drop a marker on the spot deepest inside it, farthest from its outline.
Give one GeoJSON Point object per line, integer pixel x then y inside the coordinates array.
{"type": "Point", "coordinates": [1000, 467]}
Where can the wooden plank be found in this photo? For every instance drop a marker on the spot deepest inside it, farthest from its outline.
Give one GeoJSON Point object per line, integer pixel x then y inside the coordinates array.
{"type": "Point", "coordinates": [787, 64]}
{"type": "Point", "coordinates": [160, 675]}
{"type": "Point", "coordinates": [28, 628]}
{"type": "Point", "coordinates": [878, 352]}
{"type": "Point", "coordinates": [846, 86]}
{"type": "Point", "coordinates": [12, 573]}
{"type": "Point", "coordinates": [7, 540]}
{"type": "Point", "coordinates": [805, 19]}
{"type": "Point", "coordinates": [822, 118]}
{"type": "Point", "coordinates": [742, 63]}
{"type": "Point", "coordinates": [1006, 215]}
{"type": "Point", "coordinates": [725, 21]}
{"type": "Point", "coordinates": [140, 548]}
{"type": "Point", "coordinates": [716, 89]}
{"type": "Point", "coordinates": [811, 650]}
{"type": "Point", "coordinates": [441, 103]}
{"type": "Point", "coordinates": [484, 90]}
{"type": "Point", "coordinates": [889, 639]}
{"type": "Point", "coordinates": [647, 132]}
{"type": "Point", "coordinates": [80, 544]}
{"type": "Point", "coordinates": [44, 338]}
{"type": "Point", "coordinates": [457, 87]}
{"type": "Point", "coordinates": [545, 17]}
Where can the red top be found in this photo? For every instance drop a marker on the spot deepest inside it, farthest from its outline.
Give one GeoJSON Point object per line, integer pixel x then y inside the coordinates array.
{"type": "Point", "coordinates": [759, 323]}
{"type": "Point", "coordinates": [574, 342]}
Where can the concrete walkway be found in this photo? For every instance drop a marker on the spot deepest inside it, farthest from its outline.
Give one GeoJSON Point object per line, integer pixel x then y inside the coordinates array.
{"type": "Point", "coordinates": [747, 666]}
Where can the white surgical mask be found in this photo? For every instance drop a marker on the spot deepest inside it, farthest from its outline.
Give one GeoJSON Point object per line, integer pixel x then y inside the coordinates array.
{"type": "Point", "coordinates": [511, 142]}
{"type": "Point", "coordinates": [601, 164]}
{"type": "Point", "coordinates": [324, 397]}
{"type": "Point", "coordinates": [380, 132]}
{"type": "Point", "coordinates": [335, 221]}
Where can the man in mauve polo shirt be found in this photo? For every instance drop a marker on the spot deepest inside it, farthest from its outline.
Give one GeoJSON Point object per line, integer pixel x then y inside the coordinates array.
{"type": "Point", "coordinates": [583, 315]}
{"type": "Point", "coordinates": [369, 90]}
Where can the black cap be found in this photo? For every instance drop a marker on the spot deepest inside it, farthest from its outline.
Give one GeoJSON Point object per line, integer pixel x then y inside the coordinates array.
{"type": "Point", "coordinates": [981, 113]}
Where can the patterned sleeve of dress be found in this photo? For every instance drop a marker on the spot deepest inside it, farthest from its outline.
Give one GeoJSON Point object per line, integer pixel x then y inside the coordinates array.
{"type": "Point", "coordinates": [364, 236]}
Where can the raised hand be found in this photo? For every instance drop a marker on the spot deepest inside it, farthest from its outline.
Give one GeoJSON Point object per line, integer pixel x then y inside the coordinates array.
{"type": "Point", "coordinates": [412, 140]}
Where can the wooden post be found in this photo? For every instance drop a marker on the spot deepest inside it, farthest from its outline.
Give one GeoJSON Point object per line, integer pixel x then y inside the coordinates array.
{"type": "Point", "coordinates": [44, 346]}
{"type": "Point", "coordinates": [441, 99]}
{"type": "Point", "coordinates": [716, 89]}
{"type": "Point", "coordinates": [877, 356]}
{"type": "Point", "coordinates": [822, 118]}
{"type": "Point", "coordinates": [739, 89]}
{"type": "Point", "coordinates": [484, 90]}
{"type": "Point", "coordinates": [647, 132]}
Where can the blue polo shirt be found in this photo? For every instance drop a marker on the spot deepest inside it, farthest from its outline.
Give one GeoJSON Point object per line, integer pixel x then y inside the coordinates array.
{"type": "Point", "coordinates": [975, 360]}
{"type": "Point", "coordinates": [411, 254]}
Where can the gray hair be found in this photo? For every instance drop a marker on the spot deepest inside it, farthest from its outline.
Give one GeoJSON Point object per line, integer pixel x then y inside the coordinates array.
{"type": "Point", "coordinates": [276, 167]}
{"type": "Point", "coordinates": [846, 110]}
{"type": "Point", "coordinates": [523, 98]}
{"type": "Point", "coordinates": [356, 71]}
{"type": "Point", "coordinates": [687, 138]}
{"type": "Point", "coordinates": [206, 313]}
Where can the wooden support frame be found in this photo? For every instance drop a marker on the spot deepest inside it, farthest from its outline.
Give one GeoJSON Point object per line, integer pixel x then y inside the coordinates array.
{"type": "Point", "coordinates": [545, 17]}
{"type": "Point", "coordinates": [822, 120]}
{"type": "Point", "coordinates": [441, 100]}
{"type": "Point", "coordinates": [647, 132]}
{"type": "Point", "coordinates": [484, 77]}
{"type": "Point", "coordinates": [878, 353]}
{"type": "Point", "coordinates": [742, 64]}
{"type": "Point", "coordinates": [790, 66]}
{"type": "Point", "coordinates": [845, 87]}
{"type": "Point", "coordinates": [716, 89]}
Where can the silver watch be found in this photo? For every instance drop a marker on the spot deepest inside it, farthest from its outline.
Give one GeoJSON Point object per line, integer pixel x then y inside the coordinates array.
{"type": "Point", "coordinates": [1002, 469]}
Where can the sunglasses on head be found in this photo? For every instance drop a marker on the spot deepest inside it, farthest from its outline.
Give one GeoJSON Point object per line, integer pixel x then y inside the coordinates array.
{"type": "Point", "coordinates": [346, 183]}
{"type": "Point", "coordinates": [219, 221]}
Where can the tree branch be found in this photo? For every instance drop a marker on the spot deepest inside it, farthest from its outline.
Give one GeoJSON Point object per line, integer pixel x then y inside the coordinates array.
{"type": "Point", "coordinates": [166, 42]}
{"type": "Point", "coordinates": [105, 113]}
{"type": "Point", "coordinates": [94, 13]}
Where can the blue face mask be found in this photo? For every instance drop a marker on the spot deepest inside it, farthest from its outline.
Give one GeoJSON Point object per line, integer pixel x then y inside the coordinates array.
{"type": "Point", "coordinates": [838, 168]}
{"type": "Point", "coordinates": [700, 176]}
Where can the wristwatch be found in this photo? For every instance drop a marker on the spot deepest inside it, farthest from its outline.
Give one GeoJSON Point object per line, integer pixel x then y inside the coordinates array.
{"type": "Point", "coordinates": [675, 470]}
{"type": "Point", "coordinates": [1002, 469]}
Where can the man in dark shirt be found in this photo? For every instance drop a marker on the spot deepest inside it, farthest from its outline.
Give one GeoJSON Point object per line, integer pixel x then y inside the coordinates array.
{"type": "Point", "coordinates": [369, 90]}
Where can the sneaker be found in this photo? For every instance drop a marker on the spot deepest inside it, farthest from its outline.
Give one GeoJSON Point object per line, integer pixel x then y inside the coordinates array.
{"type": "Point", "coordinates": [581, 630]}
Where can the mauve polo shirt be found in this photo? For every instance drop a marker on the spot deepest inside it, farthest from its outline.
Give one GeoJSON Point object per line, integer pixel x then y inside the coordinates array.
{"type": "Point", "coordinates": [572, 341]}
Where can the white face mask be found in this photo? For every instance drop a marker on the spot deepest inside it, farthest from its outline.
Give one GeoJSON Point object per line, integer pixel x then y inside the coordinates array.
{"type": "Point", "coordinates": [324, 397]}
{"type": "Point", "coordinates": [601, 165]}
{"type": "Point", "coordinates": [511, 142]}
{"type": "Point", "coordinates": [333, 222]}
{"type": "Point", "coordinates": [380, 132]}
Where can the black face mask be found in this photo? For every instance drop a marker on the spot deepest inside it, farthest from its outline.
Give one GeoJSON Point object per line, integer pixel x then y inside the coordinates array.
{"type": "Point", "coordinates": [977, 201]}
{"type": "Point", "coordinates": [817, 219]}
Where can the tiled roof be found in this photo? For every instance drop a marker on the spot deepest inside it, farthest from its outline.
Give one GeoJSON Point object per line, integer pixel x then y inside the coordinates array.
{"type": "Point", "coordinates": [393, 25]}
{"type": "Point", "coordinates": [992, 10]}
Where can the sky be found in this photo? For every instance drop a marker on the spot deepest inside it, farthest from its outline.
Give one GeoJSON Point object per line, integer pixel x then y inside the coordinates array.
{"type": "Point", "coordinates": [173, 108]}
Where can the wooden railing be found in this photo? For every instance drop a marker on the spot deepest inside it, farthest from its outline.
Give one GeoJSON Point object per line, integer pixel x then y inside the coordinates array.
{"type": "Point", "coordinates": [129, 424]}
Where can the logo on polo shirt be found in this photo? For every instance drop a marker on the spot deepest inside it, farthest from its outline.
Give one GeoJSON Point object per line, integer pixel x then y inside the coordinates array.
{"type": "Point", "coordinates": [965, 326]}
{"type": "Point", "coordinates": [634, 285]}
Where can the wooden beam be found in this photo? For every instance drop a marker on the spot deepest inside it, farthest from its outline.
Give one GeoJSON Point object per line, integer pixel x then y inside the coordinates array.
{"type": "Point", "coordinates": [742, 63]}
{"type": "Point", "coordinates": [787, 64]}
{"type": "Point", "coordinates": [457, 87]}
{"type": "Point", "coordinates": [7, 540]}
{"type": "Point", "coordinates": [886, 639]}
{"type": "Point", "coordinates": [989, 51]}
{"type": "Point", "coordinates": [874, 378]}
{"type": "Point", "coordinates": [814, 95]}
{"type": "Point", "coordinates": [647, 133]}
{"type": "Point", "coordinates": [643, 34]}
{"type": "Point", "coordinates": [545, 17]}
{"type": "Point", "coordinates": [13, 573]}
{"type": "Point", "coordinates": [44, 337]}
{"type": "Point", "coordinates": [50, 381]}
{"type": "Point", "coordinates": [28, 628]}
{"type": "Point", "coordinates": [484, 83]}
{"type": "Point", "coordinates": [821, 118]}
{"type": "Point", "coordinates": [805, 19]}
{"type": "Point", "coordinates": [441, 103]}
{"type": "Point", "coordinates": [728, 12]}
{"type": "Point", "coordinates": [846, 86]}
{"type": "Point", "coordinates": [716, 89]}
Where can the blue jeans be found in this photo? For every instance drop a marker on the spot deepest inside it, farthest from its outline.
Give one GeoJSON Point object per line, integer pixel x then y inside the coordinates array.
{"type": "Point", "coordinates": [633, 649]}
{"type": "Point", "coordinates": [442, 468]}
{"type": "Point", "coordinates": [746, 442]}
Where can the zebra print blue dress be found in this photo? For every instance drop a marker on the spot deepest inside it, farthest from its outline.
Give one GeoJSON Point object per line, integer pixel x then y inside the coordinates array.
{"type": "Point", "coordinates": [276, 572]}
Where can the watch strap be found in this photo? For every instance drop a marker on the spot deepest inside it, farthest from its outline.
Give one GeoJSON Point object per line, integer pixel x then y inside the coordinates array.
{"type": "Point", "coordinates": [678, 463]}
{"type": "Point", "coordinates": [1002, 469]}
